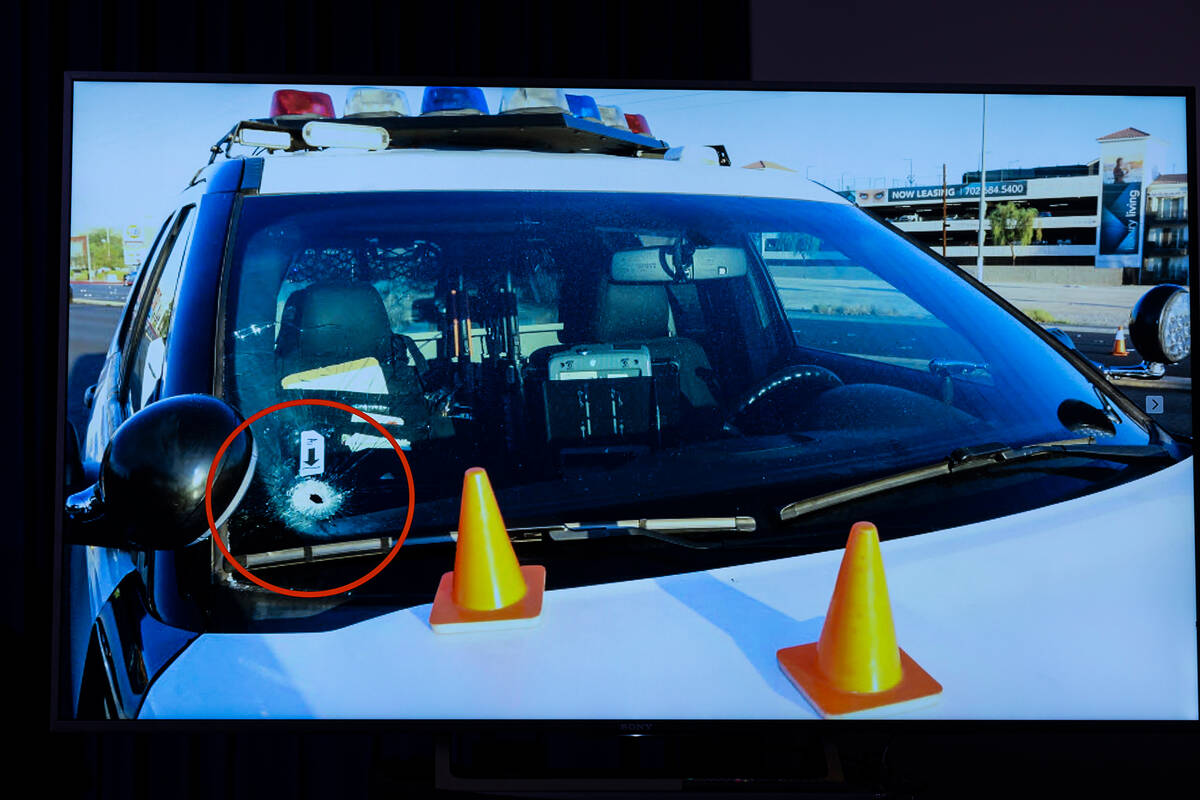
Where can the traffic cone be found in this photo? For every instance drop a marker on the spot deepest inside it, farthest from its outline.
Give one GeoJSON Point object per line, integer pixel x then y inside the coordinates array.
{"type": "Point", "coordinates": [488, 589]}
{"type": "Point", "coordinates": [856, 668]}
{"type": "Point", "coordinates": [1119, 343]}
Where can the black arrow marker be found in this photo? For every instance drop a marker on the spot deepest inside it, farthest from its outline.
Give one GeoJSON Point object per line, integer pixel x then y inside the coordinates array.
{"type": "Point", "coordinates": [312, 457]}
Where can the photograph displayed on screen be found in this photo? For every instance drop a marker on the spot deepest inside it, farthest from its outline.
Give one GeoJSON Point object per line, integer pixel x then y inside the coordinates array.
{"type": "Point", "coordinates": [496, 403]}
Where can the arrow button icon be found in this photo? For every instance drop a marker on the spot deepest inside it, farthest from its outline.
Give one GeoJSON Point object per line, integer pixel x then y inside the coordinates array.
{"type": "Point", "coordinates": [1154, 404]}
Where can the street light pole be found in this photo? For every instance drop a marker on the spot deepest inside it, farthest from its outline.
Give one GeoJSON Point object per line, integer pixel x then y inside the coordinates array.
{"type": "Point", "coordinates": [982, 190]}
{"type": "Point", "coordinates": [943, 210]}
{"type": "Point", "coordinates": [910, 175]}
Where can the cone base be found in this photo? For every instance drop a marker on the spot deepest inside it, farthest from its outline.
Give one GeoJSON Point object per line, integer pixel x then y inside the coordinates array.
{"type": "Point", "coordinates": [915, 690]}
{"type": "Point", "coordinates": [446, 617]}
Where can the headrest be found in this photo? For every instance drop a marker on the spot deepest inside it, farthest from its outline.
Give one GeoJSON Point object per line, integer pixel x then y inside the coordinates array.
{"type": "Point", "coordinates": [334, 322]}
{"type": "Point", "coordinates": [631, 312]}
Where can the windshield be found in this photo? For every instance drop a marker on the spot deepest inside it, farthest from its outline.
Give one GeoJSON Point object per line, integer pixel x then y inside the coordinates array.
{"type": "Point", "coordinates": [606, 356]}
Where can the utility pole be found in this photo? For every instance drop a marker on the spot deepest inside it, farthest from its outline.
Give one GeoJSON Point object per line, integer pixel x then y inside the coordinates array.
{"type": "Point", "coordinates": [982, 190]}
{"type": "Point", "coordinates": [943, 210]}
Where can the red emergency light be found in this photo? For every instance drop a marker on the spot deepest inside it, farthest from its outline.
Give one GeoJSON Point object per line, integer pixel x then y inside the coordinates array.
{"type": "Point", "coordinates": [294, 102]}
{"type": "Point", "coordinates": [637, 124]}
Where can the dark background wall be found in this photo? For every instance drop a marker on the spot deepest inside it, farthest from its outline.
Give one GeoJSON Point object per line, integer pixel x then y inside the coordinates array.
{"type": "Point", "coordinates": [1102, 42]}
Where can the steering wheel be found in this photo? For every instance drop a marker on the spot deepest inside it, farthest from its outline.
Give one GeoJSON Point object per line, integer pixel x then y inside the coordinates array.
{"type": "Point", "coordinates": [807, 378]}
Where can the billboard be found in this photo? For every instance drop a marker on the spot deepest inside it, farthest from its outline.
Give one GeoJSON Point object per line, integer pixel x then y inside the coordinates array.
{"type": "Point", "coordinates": [958, 191]}
{"type": "Point", "coordinates": [81, 260]}
{"type": "Point", "coordinates": [1122, 201]}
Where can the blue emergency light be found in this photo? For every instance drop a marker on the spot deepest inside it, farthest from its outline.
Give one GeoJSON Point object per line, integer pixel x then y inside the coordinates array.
{"type": "Point", "coordinates": [453, 100]}
{"type": "Point", "coordinates": [583, 106]}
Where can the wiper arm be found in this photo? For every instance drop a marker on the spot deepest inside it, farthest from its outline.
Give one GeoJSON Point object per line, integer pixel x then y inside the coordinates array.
{"type": "Point", "coordinates": [966, 458]}
{"type": "Point", "coordinates": [670, 530]}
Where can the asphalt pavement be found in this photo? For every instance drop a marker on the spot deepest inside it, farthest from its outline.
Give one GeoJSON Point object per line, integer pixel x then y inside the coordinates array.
{"type": "Point", "coordinates": [101, 293]}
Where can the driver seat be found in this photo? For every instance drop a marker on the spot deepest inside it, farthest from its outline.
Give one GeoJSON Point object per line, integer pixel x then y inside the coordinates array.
{"type": "Point", "coordinates": [335, 341]}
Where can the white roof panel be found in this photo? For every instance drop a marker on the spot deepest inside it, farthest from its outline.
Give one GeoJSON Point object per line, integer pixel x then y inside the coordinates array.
{"type": "Point", "coordinates": [512, 170]}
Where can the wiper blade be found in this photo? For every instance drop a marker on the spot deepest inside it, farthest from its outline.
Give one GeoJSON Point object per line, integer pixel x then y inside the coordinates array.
{"type": "Point", "coordinates": [670, 530]}
{"type": "Point", "coordinates": [967, 458]}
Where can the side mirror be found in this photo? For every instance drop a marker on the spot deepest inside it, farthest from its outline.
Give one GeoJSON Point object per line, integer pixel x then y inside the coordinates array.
{"type": "Point", "coordinates": [1161, 324]}
{"type": "Point", "coordinates": [152, 480]}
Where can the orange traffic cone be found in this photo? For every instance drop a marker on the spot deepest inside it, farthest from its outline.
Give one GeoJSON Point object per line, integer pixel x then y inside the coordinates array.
{"type": "Point", "coordinates": [1119, 343]}
{"type": "Point", "coordinates": [488, 588]}
{"type": "Point", "coordinates": [856, 668]}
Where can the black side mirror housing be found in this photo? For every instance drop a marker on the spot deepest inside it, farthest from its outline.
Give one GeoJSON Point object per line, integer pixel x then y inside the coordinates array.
{"type": "Point", "coordinates": [150, 491]}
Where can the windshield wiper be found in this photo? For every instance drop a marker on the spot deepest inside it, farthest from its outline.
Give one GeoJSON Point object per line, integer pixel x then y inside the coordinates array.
{"type": "Point", "coordinates": [673, 530]}
{"type": "Point", "coordinates": [670, 530]}
{"type": "Point", "coordinates": [967, 458]}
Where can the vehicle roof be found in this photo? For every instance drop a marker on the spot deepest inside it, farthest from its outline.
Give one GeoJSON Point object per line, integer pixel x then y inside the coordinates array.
{"type": "Point", "coordinates": [519, 170]}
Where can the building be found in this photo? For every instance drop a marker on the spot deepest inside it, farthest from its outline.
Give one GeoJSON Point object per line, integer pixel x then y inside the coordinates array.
{"type": "Point", "coordinates": [1165, 255]}
{"type": "Point", "coordinates": [1095, 223]}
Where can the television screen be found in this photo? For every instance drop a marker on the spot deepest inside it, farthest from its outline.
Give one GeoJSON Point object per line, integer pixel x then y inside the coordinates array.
{"type": "Point", "coordinates": [495, 403]}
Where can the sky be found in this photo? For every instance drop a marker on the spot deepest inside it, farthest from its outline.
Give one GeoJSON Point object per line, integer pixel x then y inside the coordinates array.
{"type": "Point", "coordinates": [136, 145]}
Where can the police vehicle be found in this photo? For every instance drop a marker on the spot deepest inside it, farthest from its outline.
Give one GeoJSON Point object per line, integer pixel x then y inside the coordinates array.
{"type": "Point", "coordinates": [686, 382]}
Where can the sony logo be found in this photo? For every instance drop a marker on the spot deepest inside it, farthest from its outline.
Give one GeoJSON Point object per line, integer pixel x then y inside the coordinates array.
{"type": "Point", "coordinates": [636, 727]}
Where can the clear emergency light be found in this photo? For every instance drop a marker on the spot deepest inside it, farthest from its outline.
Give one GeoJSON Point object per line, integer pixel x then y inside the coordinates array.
{"type": "Point", "coordinates": [534, 101]}
{"type": "Point", "coordinates": [297, 104]}
{"type": "Point", "coordinates": [271, 140]}
{"type": "Point", "coordinates": [338, 134]}
{"type": "Point", "coordinates": [612, 117]}
{"type": "Point", "coordinates": [583, 106]}
{"type": "Point", "coordinates": [448, 100]}
{"type": "Point", "coordinates": [637, 124]}
{"type": "Point", "coordinates": [371, 101]}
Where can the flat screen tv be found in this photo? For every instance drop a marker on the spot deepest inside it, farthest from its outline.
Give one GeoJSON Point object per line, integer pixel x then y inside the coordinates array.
{"type": "Point", "coordinates": [626, 402]}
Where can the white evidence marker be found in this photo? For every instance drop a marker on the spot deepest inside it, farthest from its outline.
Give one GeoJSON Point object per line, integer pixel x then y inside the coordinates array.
{"type": "Point", "coordinates": [312, 453]}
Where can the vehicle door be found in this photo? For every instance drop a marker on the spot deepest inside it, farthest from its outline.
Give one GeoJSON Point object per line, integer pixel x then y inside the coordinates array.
{"type": "Point", "coordinates": [132, 373]}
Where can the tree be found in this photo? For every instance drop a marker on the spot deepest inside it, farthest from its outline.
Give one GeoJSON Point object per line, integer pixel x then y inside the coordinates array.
{"type": "Point", "coordinates": [107, 249]}
{"type": "Point", "coordinates": [1013, 225]}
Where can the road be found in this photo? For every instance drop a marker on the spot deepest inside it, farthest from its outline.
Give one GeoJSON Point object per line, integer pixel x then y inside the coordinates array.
{"type": "Point", "coordinates": [100, 292]}
{"type": "Point", "coordinates": [1097, 306]}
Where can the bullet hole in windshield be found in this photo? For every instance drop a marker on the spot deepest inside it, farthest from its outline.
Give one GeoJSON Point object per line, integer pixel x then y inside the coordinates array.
{"type": "Point", "coordinates": [312, 499]}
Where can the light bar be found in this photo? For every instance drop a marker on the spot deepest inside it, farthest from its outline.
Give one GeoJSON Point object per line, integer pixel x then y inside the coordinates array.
{"type": "Point", "coordinates": [612, 117]}
{"type": "Point", "coordinates": [534, 101]}
{"type": "Point", "coordinates": [637, 124]}
{"type": "Point", "coordinates": [298, 104]}
{"type": "Point", "coordinates": [271, 140]}
{"type": "Point", "coordinates": [449, 100]}
{"type": "Point", "coordinates": [583, 106]}
{"type": "Point", "coordinates": [336, 134]}
{"type": "Point", "coordinates": [371, 101]}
